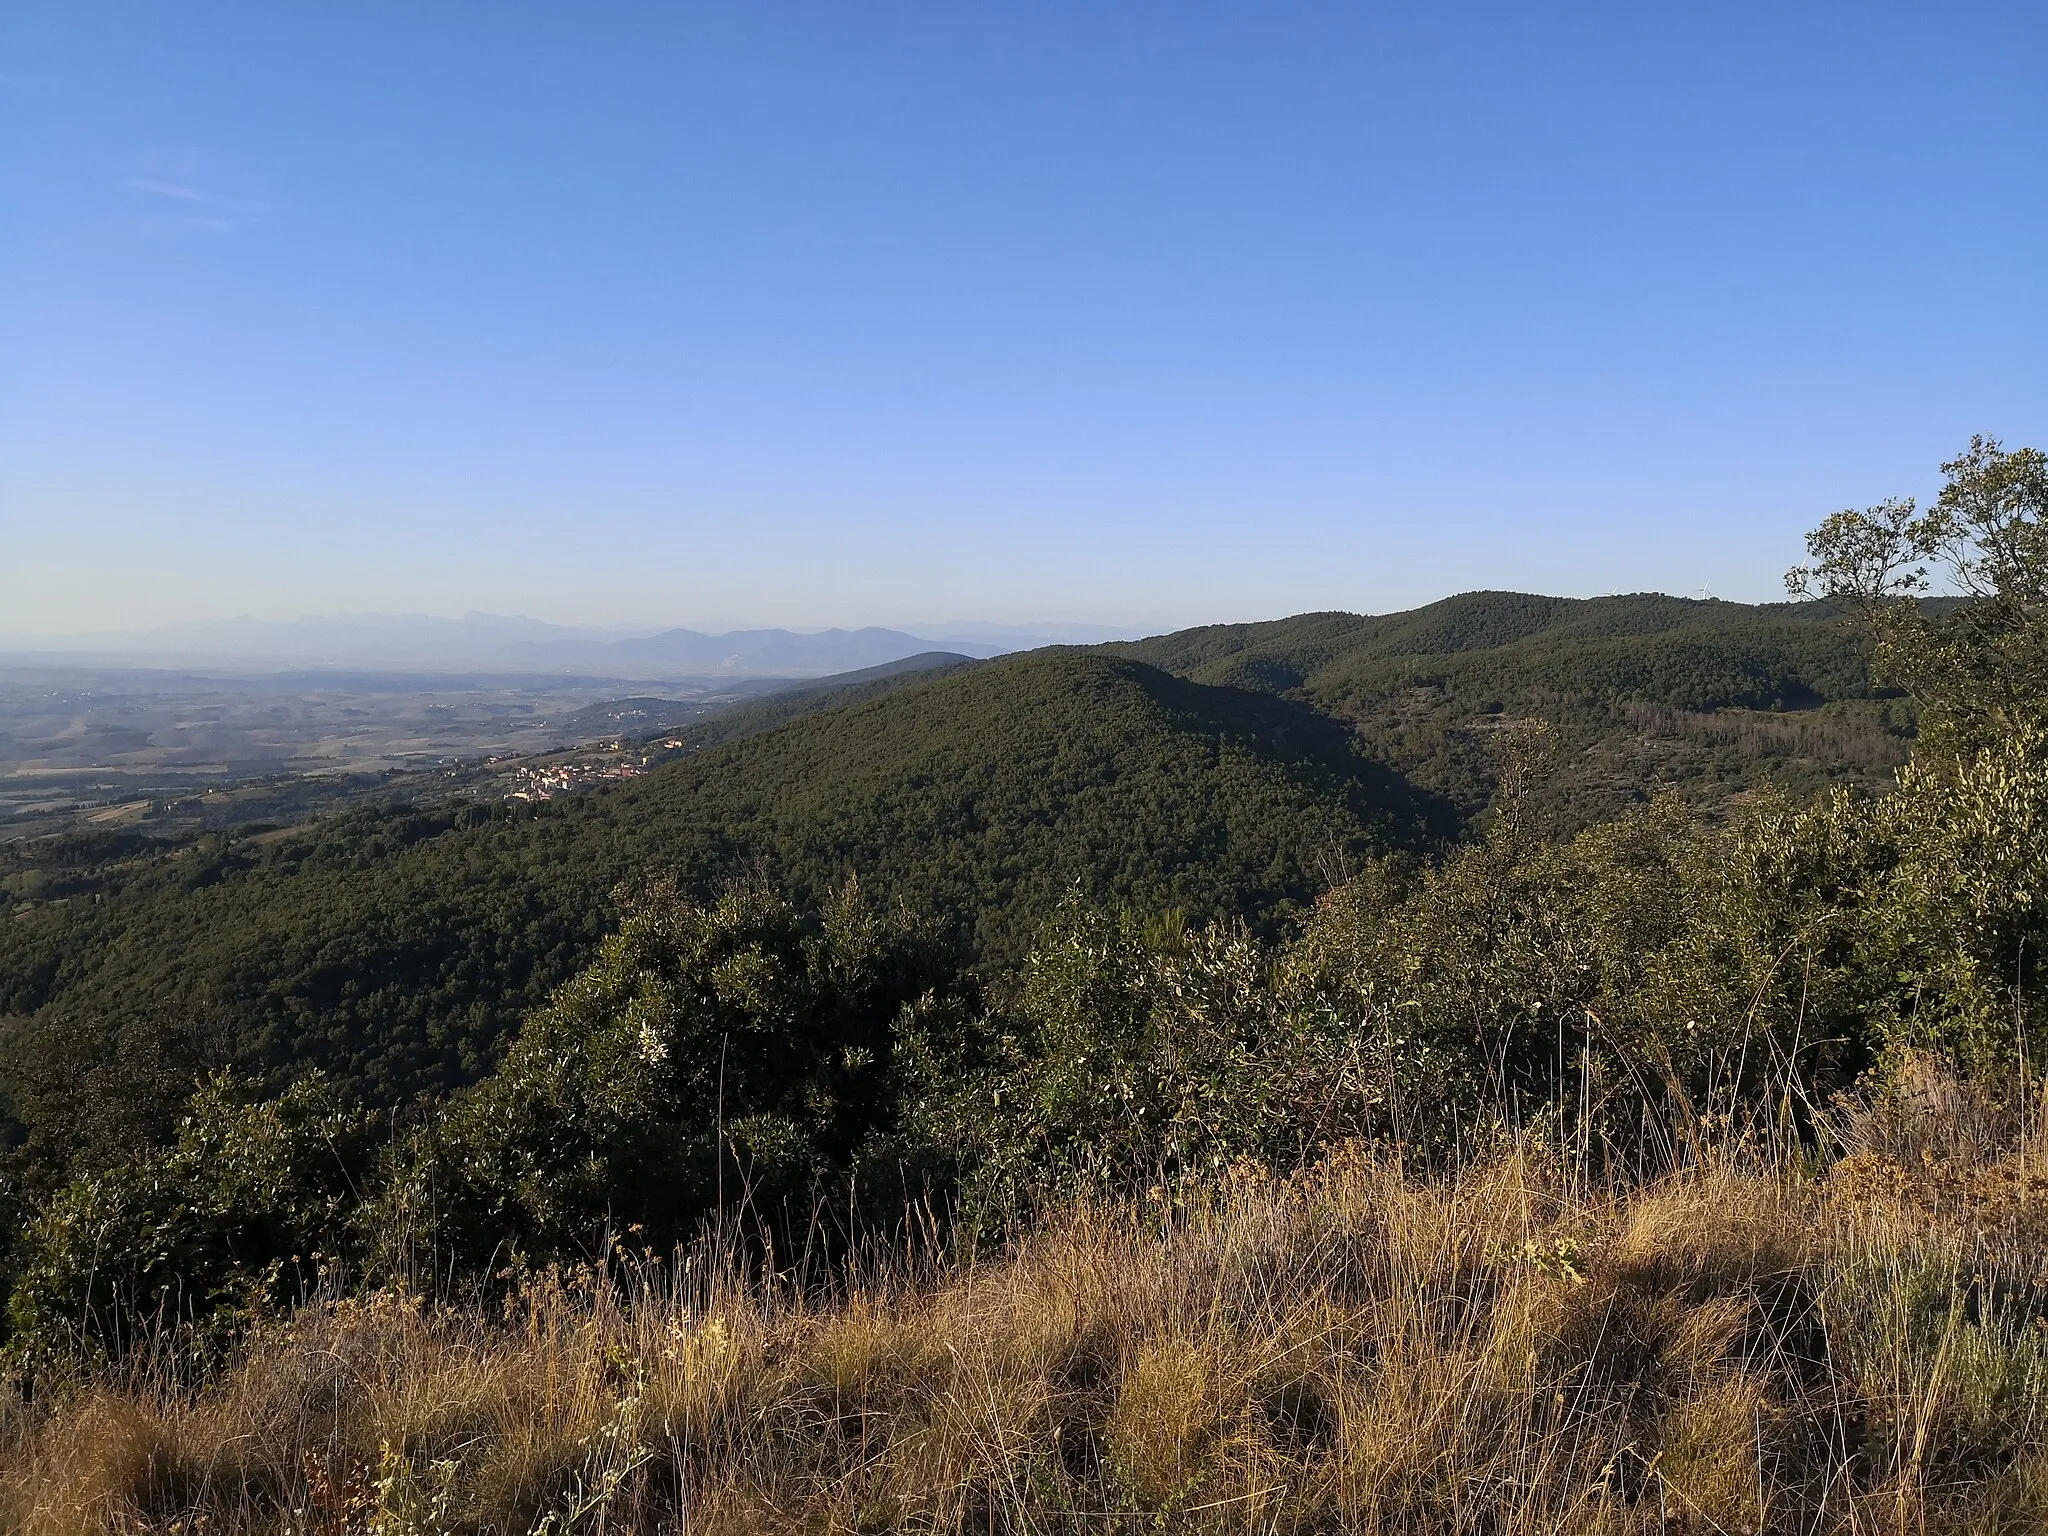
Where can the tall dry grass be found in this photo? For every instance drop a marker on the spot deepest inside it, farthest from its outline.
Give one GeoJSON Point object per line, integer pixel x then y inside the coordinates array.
{"type": "Point", "coordinates": [1728, 1348]}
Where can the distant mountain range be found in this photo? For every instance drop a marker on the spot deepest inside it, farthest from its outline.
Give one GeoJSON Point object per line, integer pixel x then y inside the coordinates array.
{"type": "Point", "coordinates": [743, 652]}
{"type": "Point", "coordinates": [749, 706]}
{"type": "Point", "coordinates": [493, 642]}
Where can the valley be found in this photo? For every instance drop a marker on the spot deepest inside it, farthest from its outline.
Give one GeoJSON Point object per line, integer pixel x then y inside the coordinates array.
{"type": "Point", "coordinates": [180, 752]}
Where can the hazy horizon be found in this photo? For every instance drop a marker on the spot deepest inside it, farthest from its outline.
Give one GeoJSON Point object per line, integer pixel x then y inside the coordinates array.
{"type": "Point", "coordinates": [1060, 314]}
{"type": "Point", "coordinates": [1076, 632]}
{"type": "Point", "coordinates": [711, 626]}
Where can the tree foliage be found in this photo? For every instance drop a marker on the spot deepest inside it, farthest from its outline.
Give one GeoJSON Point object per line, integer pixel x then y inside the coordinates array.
{"type": "Point", "coordinates": [725, 1045]}
{"type": "Point", "coordinates": [238, 1215]}
{"type": "Point", "coordinates": [1979, 666]}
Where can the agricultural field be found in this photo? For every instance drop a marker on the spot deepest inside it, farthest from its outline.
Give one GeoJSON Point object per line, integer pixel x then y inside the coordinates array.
{"type": "Point", "coordinates": [173, 752]}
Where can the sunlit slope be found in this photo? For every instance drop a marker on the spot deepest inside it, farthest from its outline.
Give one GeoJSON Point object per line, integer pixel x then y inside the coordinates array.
{"type": "Point", "coordinates": [1497, 646]}
{"type": "Point", "coordinates": [396, 949]}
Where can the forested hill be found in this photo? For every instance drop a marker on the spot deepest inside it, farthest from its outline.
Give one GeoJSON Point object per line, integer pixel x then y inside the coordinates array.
{"type": "Point", "coordinates": [396, 950]}
{"type": "Point", "coordinates": [1645, 692]}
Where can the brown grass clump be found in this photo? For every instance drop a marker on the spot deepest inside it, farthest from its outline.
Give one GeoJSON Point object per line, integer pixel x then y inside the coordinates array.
{"type": "Point", "coordinates": [1347, 1350]}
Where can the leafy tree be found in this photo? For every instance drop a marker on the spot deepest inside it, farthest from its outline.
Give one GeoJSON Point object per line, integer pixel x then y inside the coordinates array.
{"type": "Point", "coordinates": [1656, 962]}
{"type": "Point", "coordinates": [1492, 981]}
{"type": "Point", "coordinates": [1979, 666]}
{"type": "Point", "coordinates": [89, 1093]}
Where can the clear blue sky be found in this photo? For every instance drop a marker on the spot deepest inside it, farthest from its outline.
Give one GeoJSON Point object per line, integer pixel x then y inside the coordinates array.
{"type": "Point", "coordinates": [865, 313]}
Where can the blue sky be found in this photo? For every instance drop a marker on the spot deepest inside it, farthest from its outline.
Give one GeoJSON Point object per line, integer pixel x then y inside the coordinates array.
{"type": "Point", "coordinates": [1138, 313]}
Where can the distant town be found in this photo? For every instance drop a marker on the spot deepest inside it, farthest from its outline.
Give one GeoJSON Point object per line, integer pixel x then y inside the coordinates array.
{"type": "Point", "coordinates": [599, 764]}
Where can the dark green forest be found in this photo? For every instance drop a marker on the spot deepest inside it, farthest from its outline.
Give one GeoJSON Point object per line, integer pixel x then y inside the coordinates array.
{"type": "Point", "coordinates": [1102, 914]}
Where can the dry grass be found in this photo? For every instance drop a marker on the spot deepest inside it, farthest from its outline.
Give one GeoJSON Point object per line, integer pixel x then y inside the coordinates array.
{"type": "Point", "coordinates": [1346, 1350]}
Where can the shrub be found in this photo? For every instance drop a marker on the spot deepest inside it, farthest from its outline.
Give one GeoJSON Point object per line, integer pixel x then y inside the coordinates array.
{"type": "Point", "coordinates": [1135, 1050]}
{"type": "Point", "coordinates": [724, 1048]}
{"type": "Point", "coordinates": [238, 1217]}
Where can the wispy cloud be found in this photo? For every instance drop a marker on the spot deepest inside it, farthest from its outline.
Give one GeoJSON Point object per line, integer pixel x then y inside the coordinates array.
{"type": "Point", "coordinates": [166, 189]}
{"type": "Point", "coordinates": [171, 177]}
